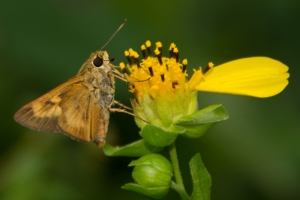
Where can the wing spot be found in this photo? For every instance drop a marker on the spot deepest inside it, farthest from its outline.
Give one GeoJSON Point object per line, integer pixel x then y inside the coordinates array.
{"type": "Point", "coordinates": [49, 110]}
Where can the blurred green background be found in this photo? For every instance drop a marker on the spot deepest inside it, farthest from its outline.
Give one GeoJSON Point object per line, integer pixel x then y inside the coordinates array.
{"type": "Point", "coordinates": [253, 155]}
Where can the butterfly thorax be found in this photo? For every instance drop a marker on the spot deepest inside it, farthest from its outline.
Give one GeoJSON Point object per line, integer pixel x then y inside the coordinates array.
{"type": "Point", "coordinates": [99, 78]}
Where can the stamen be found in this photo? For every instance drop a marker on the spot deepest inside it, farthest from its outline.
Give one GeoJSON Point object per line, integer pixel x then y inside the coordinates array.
{"type": "Point", "coordinates": [143, 48]}
{"type": "Point", "coordinates": [176, 54]}
{"type": "Point", "coordinates": [128, 58]}
{"type": "Point", "coordinates": [158, 55]}
{"type": "Point", "coordinates": [124, 69]}
{"type": "Point", "coordinates": [154, 67]}
{"type": "Point", "coordinates": [171, 53]}
{"type": "Point", "coordinates": [171, 50]}
{"type": "Point", "coordinates": [184, 65]}
{"type": "Point", "coordinates": [148, 45]}
{"type": "Point", "coordinates": [209, 66]}
{"type": "Point", "coordinates": [162, 76]}
{"type": "Point", "coordinates": [135, 57]}
{"type": "Point", "coordinates": [131, 52]}
{"type": "Point", "coordinates": [174, 83]}
{"type": "Point", "coordinates": [151, 71]}
{"type": "Point", "coordinates": [159, 46]}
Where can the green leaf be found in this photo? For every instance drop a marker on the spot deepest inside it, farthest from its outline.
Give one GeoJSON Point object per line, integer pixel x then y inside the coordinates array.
{"type": "Point", "coordinates": [201, 179]}
{"type": "Point", "coordinates": [195, 131]}
{"type": "Point", "coordinates": [154, 193]}
{"type": "Point", "coordinates": [198, 123]}
{"type": "Point", "coordinates": [158, 137]}
{"type": "Point", "coordinates": [213, 113]}
{"type": "Point", "coordinates": [135, 149]}
{"type": "Point", "coordinates": [181, 192]}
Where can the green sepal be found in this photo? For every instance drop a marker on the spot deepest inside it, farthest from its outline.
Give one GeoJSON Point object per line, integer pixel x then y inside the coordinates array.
{"type": "Point", "coordinates": [198, 123]}
{"type": "Point", "coordinates": [135, 149]}
{"type": "Point", "coordinates": [159, 137]}
{"type": "Point", "coordinates": [195, 131]}
{"type": "Point", "coordinates": [154, 193]}
{"type": "Point", "coordinates": [213, 113]}
{"type": "Point", "coordinates": [201, 179]}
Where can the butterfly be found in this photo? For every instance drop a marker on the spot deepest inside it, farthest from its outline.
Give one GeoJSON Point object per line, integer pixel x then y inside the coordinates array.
{"type": "Point", "coordinates": [80, 107]}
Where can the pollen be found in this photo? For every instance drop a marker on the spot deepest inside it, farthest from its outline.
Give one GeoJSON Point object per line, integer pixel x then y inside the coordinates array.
{"type": "Point", "coordinates": [155, 75]}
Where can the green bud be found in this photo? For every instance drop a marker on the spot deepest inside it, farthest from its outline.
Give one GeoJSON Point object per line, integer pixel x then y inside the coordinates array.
{"type": "Point", "coordinates": [152, 170]}
{"type": "Point", "coordinates": [152, 174]}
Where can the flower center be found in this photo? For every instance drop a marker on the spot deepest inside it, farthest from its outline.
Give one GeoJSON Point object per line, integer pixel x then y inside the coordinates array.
{"type": "Point", "coordinates": [156, 74]}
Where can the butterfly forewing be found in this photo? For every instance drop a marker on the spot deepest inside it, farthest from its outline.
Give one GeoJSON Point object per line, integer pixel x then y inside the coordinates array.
{"type": "Point", "coordinates": [78, 107]}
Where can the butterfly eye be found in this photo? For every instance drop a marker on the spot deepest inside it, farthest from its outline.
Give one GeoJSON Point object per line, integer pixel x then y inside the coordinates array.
{"type": "Point", "coordinates": [98, 61]}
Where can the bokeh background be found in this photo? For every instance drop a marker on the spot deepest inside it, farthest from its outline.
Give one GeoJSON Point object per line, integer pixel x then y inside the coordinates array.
{"type": "Point", "coordinates": [253, 155]}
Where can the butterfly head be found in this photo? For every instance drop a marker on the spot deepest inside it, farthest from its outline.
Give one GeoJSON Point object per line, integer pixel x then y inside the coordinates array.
{"type": "Point", "coordinates": [98, 61]}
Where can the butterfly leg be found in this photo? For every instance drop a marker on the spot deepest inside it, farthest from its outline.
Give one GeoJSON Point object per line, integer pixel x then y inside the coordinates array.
{"type": "Point", "coordinates": [127, 112]}
{"type": "Point", "coordinates": [122, 105]}
{"type": "Point", "coordinates": [120, 77]}
{"type": "Point", "coordinates": [118, 74]}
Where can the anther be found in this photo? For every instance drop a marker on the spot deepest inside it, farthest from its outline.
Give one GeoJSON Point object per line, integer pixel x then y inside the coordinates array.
{"type": "Point", "coordinates": [171, 50]}
{"type": "Point", "coordinates": [124, 69]}
{"type": "Point", "coordinates": [158, 55]}
{"type": "Point", "coordinates": [135, 57]}
{"type": "Point", "coordinates": [176, 54]}
{"type": "Point", "coordinates": [184, 65]}
{"type": "Point", "coordinates": [174, 83]}
{"type": "Point", "coordinates": [143, 48]}
{"type": "Point", "coordinates": [148, 47]}
{"type": "Point", "coordinates": [159, 46]}
{"type": "Point", "coordinates": [210, 65]}
{"type": "Point", "coordinates": [128, 58]}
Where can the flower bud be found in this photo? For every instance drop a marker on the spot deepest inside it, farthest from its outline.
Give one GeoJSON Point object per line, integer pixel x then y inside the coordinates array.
{"type": "Point", "coordinates": [152, 174]}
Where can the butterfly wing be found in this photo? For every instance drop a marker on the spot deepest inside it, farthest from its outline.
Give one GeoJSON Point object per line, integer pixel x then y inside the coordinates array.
{"type": "Point", "coordinates": [65, 109]}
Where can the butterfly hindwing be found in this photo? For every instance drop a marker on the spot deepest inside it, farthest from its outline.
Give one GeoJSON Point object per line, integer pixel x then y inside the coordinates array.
{"type": "Point", "coordinates": [63, 109]}
{"type": "Point", "coordinates": [75, 119]}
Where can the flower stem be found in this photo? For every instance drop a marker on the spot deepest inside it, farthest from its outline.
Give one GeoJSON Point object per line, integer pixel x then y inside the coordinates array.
{"type": "Point", "coordinates": [181, 191]}
{"type": "Point", "coordinates": [175, 165]}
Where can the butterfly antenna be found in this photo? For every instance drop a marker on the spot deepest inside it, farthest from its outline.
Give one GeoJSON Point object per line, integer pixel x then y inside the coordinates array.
{"type": "Point", "coordinates": [125, 20]}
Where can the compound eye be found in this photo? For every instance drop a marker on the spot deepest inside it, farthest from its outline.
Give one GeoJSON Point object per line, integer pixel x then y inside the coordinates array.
{"type": "Point", "coordinates": [98, 61]}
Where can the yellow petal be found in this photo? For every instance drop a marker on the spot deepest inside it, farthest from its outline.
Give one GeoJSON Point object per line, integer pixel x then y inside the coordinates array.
{"type": "Point", "coordinates": [255, 76]}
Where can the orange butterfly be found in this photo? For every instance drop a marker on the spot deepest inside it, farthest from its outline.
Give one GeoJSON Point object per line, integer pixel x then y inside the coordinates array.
{"type": "Point", "coordinates": [80, 107]}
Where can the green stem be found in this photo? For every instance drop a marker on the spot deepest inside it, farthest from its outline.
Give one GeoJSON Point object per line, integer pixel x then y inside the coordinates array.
{"type": "Point", "coordinates": [181, 191]}
{"type": "Point", "coordinates": [175, 164]}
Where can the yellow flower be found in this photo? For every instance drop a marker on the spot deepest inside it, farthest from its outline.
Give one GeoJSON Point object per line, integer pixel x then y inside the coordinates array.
{"type": "Point", "coordinates": [163, 94]}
